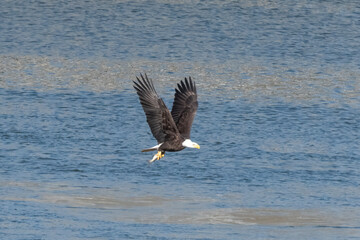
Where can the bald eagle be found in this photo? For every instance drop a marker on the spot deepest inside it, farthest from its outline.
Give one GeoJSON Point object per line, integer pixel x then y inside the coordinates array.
{"type": "Point", "coordinates": [171, 130]}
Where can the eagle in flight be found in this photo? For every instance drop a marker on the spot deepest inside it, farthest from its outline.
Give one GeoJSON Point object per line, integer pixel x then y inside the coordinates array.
{"type": "Point", "coordinates": [171, 130]}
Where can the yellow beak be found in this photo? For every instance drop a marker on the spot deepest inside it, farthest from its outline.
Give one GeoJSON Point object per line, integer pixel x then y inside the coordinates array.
{"type": "Point", "coordinates": [197, 146]}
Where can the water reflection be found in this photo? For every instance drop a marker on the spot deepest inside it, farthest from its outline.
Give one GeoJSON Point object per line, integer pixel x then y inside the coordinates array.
{"type": "Point", "coordinates": [251, 80]}
{"type": "Point", "coordinates": [152, 208]}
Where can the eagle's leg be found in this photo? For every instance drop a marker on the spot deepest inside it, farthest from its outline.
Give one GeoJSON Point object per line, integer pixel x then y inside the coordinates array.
{"type": "Point", "coordinates": [157, 156]}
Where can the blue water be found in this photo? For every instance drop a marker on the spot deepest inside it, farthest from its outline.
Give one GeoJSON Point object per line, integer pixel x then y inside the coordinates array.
{"type": "Point", "coordinates": [278, 120]}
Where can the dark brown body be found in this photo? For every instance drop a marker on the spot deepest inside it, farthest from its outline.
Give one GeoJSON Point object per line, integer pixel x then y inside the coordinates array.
{"type": "Point", "coordinates": [172, 146]}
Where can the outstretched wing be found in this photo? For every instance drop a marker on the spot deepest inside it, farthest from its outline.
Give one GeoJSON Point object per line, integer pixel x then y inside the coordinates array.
{"type": "Point", "coordinates": [157, 114]}
{"type": "Point", "coordinates": [185, 106]}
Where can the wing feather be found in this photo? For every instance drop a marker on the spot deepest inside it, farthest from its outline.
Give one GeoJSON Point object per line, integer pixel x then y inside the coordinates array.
{"type": "Point", "coordinates": [158, 116]}
{"type": "Point", "coordinates": [185, 106]}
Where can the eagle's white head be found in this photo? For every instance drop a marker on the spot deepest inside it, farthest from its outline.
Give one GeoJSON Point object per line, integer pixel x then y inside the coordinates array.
{"type": "Point", "coordinates": [190, 144]}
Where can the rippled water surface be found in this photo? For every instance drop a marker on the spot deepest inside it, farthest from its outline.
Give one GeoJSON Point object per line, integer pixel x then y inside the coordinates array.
{"type": "Point", "coordinates": [278, 120]}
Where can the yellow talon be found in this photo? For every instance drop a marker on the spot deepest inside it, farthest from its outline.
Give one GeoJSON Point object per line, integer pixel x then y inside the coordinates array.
{"type": "Point", "coordinates": [160, 155]}
{"type": "Point", "coordinates": [157, 156]}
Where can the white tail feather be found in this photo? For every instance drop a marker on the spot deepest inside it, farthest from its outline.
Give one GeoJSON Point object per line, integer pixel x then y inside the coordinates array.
{"type": "Point", "coordinates": [152, 148]}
